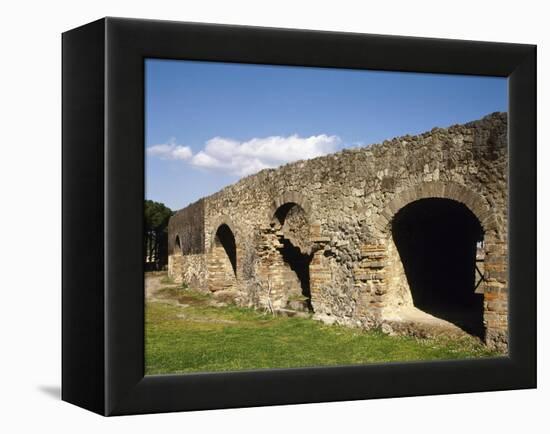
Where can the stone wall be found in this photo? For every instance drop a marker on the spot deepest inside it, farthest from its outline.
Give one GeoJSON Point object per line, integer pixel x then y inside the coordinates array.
{"type": "Point", "coordinates": [186, 230]}
{"type": "Point", "coordinates": [190, 270]}
{"type": "Point", "coordinates": [336, 211]}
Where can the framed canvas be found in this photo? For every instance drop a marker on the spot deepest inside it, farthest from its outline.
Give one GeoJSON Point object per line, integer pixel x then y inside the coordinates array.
{"type": "Point", "coordinates": [298, 281]}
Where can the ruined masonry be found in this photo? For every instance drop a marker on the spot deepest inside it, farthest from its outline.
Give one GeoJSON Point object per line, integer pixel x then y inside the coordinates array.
{"type": "Point", "coordinates": [409, 236]}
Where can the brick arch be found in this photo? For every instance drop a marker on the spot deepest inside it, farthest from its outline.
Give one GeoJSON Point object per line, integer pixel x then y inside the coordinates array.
{"type": "Point", "coordinates": [223, 263]}
{"type": "Point", "coordinates": [444, 190]}
{"type": "Point", "coordinates": [494, 285]}
{"type": "Point", "coordinates": [290, 197]}
{"type": "Point", "coordinates": [223, 220]}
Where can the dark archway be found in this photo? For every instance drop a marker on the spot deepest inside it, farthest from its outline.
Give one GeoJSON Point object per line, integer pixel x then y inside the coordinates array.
{"type": "Point", "coordinates": [282, 211]}
{"type": "Point", "coordinates": [293, 241]}
{"type": "Point", "coordinates": [226, 240]}
{"type": "Point", "coordinates": [437, 242]}
{"type": "Point", "coordinates": [177, 245]}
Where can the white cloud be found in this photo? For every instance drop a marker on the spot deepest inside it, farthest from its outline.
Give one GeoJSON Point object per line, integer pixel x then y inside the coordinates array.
{"type": "Point", "coordinates": [170, 151]}
{"type": "Point", "coordinates": [245, 158]}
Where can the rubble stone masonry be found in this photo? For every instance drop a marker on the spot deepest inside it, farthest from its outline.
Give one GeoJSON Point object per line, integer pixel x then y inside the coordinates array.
{"type": "Point", "coordinates": [319, 235]}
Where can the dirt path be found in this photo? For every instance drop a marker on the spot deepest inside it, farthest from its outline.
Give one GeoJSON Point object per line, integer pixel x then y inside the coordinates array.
{"type": "Point", "coordinates": [153, 283]}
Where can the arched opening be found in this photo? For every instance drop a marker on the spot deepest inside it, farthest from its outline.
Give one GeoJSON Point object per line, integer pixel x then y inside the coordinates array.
{"type": "Point", "coordinates": [437, 241]}
{"type": "Point", "coordinates": [226, 240]}
{"type": "Point", "coordinates": [222, 260]}
{"type": "Point", "coordinates": [282, 211]}
{"type": "Point", "coordinates": [177, 245]}
{"type": "Point", "coordinates": [295, 251]}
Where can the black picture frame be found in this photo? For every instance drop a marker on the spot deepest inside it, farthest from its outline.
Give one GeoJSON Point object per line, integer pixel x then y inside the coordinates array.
{"type": "Point", "coordinates": [103, 191]}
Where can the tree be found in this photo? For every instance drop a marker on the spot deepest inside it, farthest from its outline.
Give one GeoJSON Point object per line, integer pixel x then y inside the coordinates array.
{"type": "Point", "coordinates": [156, 216]}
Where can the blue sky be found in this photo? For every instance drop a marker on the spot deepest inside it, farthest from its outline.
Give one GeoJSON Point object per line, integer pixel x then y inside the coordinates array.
{"type": "Point", "coordinates": [208, 124]}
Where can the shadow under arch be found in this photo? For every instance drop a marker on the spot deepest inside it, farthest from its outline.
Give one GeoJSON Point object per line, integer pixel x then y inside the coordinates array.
{"type": "Point", "coordinates": [294, 242]}
{"type": "Point", "coordinates": [437, 241]}
{"type": "Point", "coordinates": [225, 239]}
{"type": "Point", "coordinates": [475, 205]}
{"type": "Point", "coordinates": [177, 246]}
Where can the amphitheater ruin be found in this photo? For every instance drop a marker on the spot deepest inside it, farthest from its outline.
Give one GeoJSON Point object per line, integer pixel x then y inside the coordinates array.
{"type": "Point", "coordinates": [409, 236]}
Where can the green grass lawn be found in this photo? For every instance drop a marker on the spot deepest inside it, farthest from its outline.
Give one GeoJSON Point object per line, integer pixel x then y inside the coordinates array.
{"type": "Point", "coordinates": [185, 333]}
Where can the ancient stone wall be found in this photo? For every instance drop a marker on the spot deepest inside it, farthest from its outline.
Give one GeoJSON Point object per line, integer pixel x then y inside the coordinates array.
{"type": "Point", "coordinates": [186, 230]}
{"type": "Point", "coordinates": [333, 216]}
{"type": "Point", "coordinates": [190, 270]}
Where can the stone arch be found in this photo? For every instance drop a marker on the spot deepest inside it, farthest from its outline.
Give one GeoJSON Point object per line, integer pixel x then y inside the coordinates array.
{"type": "Point", "coordinates": [290, 197]}
{"type": "Point", "coordinates": [437, 189]}
{"type": "Point", "coordinates": [177, 246]}
{"type": "Point", "coordinates": [222, 259]}
{"type": "Point", "coordinates": [433, 251]}
{"type": "Point", "coordinates": [219, 221]}
{"type": "Point", "coordinates": [226, 239]}
{"type": "Point", "coordinates": [493, 282]}
{"type": "Point", "coordinates": [285, 251]}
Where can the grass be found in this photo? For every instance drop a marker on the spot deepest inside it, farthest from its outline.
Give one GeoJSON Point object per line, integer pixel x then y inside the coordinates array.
{"type": "Point", "coordinates": [185, 333]}
{"type": "Point", "coordinates": [166, 280]}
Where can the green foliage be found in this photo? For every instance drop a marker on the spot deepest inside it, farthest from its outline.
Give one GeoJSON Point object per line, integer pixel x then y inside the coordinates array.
{"type": "Point", "coordinates": [191, 335]}
{"type": "Point", "coordinates": [156, 216]}
{"type": "Point", "coordinates": [166, 280]}
{"type": "Point", "coordinates": [155, 239]}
